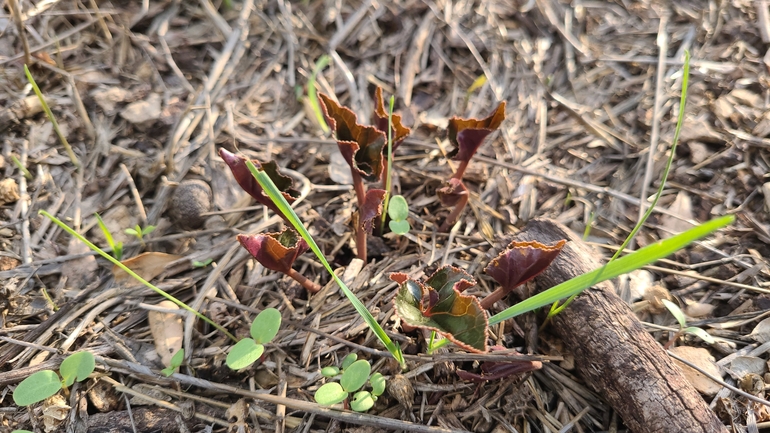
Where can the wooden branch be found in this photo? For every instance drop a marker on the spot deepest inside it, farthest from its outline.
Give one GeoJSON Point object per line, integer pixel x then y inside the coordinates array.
{"type": "Point", "coordinates": [612, 351]}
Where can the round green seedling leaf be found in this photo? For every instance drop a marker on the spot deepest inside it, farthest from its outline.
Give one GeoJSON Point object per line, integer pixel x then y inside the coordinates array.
{"type": "Point", "coordinates": [362, 401]}
{"type": "Point", "coordinates": [399, 227]}
{"type": "Point", "coordinates": [266, 325]}
{"type": "Point", "coordinates": [378, 384]}
{"type": "Point", "coordinates": [330, 371]}
{"type": "Point", "coordinates": [36, 387]}
{"type": "Point", "coordinates": [355, 376]}
{"type": "Point", "coordinates": [244, 353]}
{"type": "Point", "coordinates": [398, 209]}
{"type": "Point", "coordinates": [351, 358]}
{"type": "Point", "coordinates": [329, 394]}
{"type": "Point", "coordinates": [175, 362]}
{"type": "Point", "coordinates": [676, 312]}
{"type": "Point", "coordinates": [21, 431]}
{"type": "Point", "coordinates": [77, 367]}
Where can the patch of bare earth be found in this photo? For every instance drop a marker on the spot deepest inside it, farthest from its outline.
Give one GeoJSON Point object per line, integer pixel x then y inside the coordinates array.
{"type": "Point", "coordinates": [146, 96]}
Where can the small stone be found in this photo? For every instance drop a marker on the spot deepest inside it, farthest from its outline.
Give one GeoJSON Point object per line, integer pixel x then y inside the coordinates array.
{"type": "Point", "coordinates": [9, 191]}
{"type": "Point", "coordinates": [142, 112]}
{"type": "Point", "coordinates": [191, 199]}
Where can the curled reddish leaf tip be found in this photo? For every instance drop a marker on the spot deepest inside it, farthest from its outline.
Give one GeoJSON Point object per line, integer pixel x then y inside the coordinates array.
{"type": "Point", "coordinates": [243, 176]}
{"type": "Point", "coordinates": [467, 135]}
{"type": "Point", "coordinates": [522, 261]}
{"type": "Point", "coordinates": [275, 251]}
{"type": "Point", "coordinates": [399, 131]}
{"type": "Point", "coordinates": [399, 277]}
{"type": "Point", "coordinates": [360, 145]}
{"type": "Point", "coordinates": [371, 209]}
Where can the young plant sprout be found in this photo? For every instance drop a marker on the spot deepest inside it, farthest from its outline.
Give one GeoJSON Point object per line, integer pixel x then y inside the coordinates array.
{"type": "Point", "coordinates": [362, 148]}
{"type": "Point", "coordinates": [466, 135]}
{"type": "Point", "coordinates": [355, 374]}
{"type": "Point", "coordinates": [263, 329]}
{"type": "Point", "coordinates": [519, 263]}
{"type": "Point", "coordinates": [45, 383]}
{"type": "Point", "coordinates": [683, 328]}
{"type": "Point", "coordinates": [244, 178]}
{"type": "Point", "coordinates": [277, 252]}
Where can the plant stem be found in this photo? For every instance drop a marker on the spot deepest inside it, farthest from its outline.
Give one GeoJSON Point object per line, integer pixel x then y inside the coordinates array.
{"type": "Point", "coordinates": [451, 219]}
{"type": "Point", "coordinates": [461, 170]}
{"type": "Point", "coordinates": [358, 185]}
{"type": "Point", "coordinates": [304, 281]}
{"type": "Point", "coordinates": [493, 297]}
{"type": "Point", "coordinates": [389, 166]}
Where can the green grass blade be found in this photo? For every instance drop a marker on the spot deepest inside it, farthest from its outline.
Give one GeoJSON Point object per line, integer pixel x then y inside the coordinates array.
{"type": "Point", "coordinates": [49, 113]}
{"type": "Point", "coordinates": [618, 267]}
{"type": "Point", "coordinates": [389, 163]}
{"type": "Point", "coordinates": [556, 309]}
{"type": "Point", "coordinates": [272, 191]}
{"type": "Point", "coordinates": [133, 274]}
{"type": "Point", "coordinates": [312, 92]}
{"type": "Point", "coordinates": [117, 250]}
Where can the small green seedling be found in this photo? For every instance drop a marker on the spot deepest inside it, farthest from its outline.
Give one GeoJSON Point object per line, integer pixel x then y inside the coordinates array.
{"type": "Point", "coordinates": [249, 350]}
{"type": "Point", "coordinates": [21, 167]}
{"type": "Point", "coordinates": [176, 361]}
{"type": "Point", "coordinates": [45, 383]}
{"type": "Point", "coordinates": [683, 328]}
{"type": "Point", "coordinates": [21, 431]}
{"type": "Point", "coordinates": [355, 374]}
{"type": "Point", "coordinates": [117, 247]}
{"type": "Point", "coordinates": [139, 232]}
{"type": "Point", "coordinates": [201, 264]}
{"type": "Point", "coordinates": [398, 210]}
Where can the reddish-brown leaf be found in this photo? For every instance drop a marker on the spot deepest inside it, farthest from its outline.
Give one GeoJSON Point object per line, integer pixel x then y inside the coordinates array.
{"type": "Point", "coordinates": [399, 131]}
{"type": "Point", "coordinates": [275, 251]}
{"type": "Point", "coordinates": [371, 209]}
{"type": "Point", "coordinates": [244, 178]}
{"type": "Point", "coordinates": [522, 261]}
{"type": "Point", "coordinates": [360, 145]}
{"type": "Point", "coordinates": [452, 192]}
{"type": "Point", "coordinates": [467, 135]}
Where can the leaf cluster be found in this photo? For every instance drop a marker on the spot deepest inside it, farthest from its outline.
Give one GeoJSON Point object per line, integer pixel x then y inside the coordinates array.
{"type": "Point", "coordinates": [353, 375]}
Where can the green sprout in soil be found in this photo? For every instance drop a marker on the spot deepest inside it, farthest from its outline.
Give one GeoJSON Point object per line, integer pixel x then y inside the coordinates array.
{"type": "Point", "coordinates": [45, 383]}
{"type": "Point", "coordinates": [354, 375]}
{"type": "Point", "coordinates": [116, 247]}
{"type": "Point", "coordinates": [263, 329]}
{"type": "Point", "coordinates": [140, 232]}
{"type": "Point", "coordinates": [176, 362]}
{"type": "Point", "coordinates": [683, 328]}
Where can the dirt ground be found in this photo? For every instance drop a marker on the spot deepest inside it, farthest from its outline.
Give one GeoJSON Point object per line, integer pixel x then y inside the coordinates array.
{"type": "Point", "coordinates": [147, 93]}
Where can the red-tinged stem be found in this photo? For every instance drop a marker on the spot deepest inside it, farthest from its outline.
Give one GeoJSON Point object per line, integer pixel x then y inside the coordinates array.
{"type": "Point", "coordinates": [358, 185]}
{"type": "Point", "coordinates": [360, 241]}
{"type": "Point", "coordinates": [493, 297]}
{"type": "Point", "coordinates": [309, 285]}
{"type": "Point", "coordinates": [460, 170]}
{"type": "Point", "coordinates": [455, 214]}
